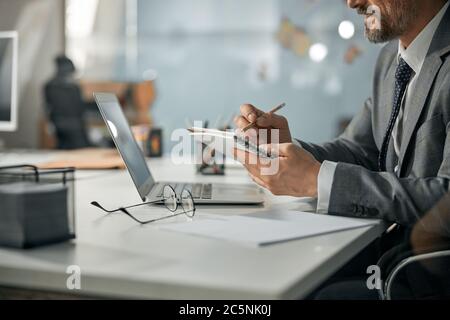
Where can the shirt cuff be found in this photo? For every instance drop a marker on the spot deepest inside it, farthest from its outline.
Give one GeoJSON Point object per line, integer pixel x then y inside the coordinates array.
{"type": "Point", "coordinates": [325, 183]}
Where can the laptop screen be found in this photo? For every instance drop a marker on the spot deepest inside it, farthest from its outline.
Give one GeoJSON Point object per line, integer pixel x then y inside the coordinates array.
{"type": "Point", "coordinates": [124, 140]}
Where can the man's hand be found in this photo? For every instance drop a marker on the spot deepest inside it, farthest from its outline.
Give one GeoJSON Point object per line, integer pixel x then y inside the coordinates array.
{"type": "Point", "coordinates": [294, 173]}
{"type": "Point", "coordinates": [250, 114]}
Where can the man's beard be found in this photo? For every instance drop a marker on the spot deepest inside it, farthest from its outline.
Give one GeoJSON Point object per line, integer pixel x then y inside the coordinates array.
{"type": "Point", "coordinates": [386, 26]}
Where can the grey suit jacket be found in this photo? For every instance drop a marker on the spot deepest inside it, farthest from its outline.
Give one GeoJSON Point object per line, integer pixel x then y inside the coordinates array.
{"type": "Point", "coordinates": [358, 188]}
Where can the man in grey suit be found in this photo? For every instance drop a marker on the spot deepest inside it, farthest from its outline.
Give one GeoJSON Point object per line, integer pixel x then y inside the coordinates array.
{"type": "Point", "coordinates": [393, 161]}
{"type": "Point", "coordinates": [349, 175]}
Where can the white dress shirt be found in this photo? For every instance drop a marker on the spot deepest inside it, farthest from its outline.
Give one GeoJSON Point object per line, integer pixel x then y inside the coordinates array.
{"type": "Point", "coordinates": [414, 56]}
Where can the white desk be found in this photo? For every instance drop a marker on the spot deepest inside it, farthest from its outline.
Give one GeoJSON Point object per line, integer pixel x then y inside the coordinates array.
{"type": "Point", "coordinates": [119, 258]}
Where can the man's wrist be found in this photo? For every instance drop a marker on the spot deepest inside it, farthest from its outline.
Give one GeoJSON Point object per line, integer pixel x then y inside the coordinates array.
{"type": "Point", "coordinates": [314, 190]}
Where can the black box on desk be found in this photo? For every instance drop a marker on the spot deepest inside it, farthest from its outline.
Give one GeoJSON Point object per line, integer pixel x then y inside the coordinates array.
{"type": "Point", "coordinates": [36, 207]}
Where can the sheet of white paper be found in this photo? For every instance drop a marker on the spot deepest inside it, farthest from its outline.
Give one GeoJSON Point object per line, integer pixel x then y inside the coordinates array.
{"type": "Point", "coordinates": [266, 228]}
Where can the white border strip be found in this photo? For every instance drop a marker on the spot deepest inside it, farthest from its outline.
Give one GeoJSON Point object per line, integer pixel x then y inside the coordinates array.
{"type": "Point", "coordinates": [12, 124]}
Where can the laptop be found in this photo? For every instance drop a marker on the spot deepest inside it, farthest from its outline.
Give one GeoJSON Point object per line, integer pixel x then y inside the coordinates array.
{"type": "Point", "coordinates": [147, 187]}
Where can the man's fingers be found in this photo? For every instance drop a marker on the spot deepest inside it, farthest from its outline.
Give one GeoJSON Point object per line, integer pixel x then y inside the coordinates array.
{"type": "Point", "coordinates": [251, 134]}
{"type": "Point", "coordinates": [236, 154]}
{"type": "Point", "coordinates": [257, 180]}
{"type": "Point", "coordinates": [249, 160]}
{"type": "Point", "coordinates": [250, 113]}
{"type": "Point", "coordinates": [246, 158]}
{"type": "Point", "coordinates": [269, 120]}
{"type": "Point", "coordinates": [241, 122]}
{"type": "Point", "coordinates": [280, 150]}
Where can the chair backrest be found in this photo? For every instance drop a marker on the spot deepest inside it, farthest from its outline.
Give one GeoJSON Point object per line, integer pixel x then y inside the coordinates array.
{"type": "Point", "coordinates": [424, 276]}
{"type": "Point", "coordinates": [419, 268]}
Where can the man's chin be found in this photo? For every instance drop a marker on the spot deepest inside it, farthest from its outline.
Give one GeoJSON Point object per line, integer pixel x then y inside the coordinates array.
{"type": "Point", "coordinates": [373, 37]}
{"type": "Point", "coordinates": [376, 36]}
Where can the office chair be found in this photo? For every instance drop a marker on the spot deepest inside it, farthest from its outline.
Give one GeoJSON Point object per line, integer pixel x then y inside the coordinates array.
{"type": "Point", "coordinates": [417, 276]}
{"type": "Point", "coordinates": [420, 268]}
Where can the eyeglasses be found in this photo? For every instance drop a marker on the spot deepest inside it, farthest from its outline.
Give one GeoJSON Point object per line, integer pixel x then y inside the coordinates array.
{"type": "Point", "coordinates": [169, 199]}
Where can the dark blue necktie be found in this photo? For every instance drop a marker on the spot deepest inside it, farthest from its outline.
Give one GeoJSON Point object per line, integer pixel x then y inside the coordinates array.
{"type": "Point", "coordinates": [402, 77]}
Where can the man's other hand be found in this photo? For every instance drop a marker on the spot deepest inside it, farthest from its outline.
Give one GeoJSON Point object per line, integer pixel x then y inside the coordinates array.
{"type": "Point", "coordinates": [293, 173]}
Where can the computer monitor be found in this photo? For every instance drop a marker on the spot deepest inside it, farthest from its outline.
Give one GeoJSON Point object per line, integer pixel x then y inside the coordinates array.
{"type": "Point", "coordinates": [8, 80]}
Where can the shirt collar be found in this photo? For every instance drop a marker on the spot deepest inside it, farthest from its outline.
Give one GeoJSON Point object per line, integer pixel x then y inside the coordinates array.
{"type": "Point", "coordinates": [416, 53]}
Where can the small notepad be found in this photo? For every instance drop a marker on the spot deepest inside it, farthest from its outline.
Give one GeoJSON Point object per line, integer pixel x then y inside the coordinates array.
{"type": "Point", "coordinates": [225, 141]}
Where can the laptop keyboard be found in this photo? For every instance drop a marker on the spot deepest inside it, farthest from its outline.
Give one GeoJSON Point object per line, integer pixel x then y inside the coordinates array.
{"type": "Point", "coordinates": [198, 190]}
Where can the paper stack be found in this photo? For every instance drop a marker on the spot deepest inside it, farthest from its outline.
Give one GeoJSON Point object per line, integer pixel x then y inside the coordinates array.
{"type": "Point", "coordinates": [265, 228]}
{"type": "Point", "coordinates": [32, 214]}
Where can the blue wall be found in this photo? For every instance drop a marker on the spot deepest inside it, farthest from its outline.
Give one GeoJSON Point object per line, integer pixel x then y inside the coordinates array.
{"type": "Point", "coordinates": [207, 54]}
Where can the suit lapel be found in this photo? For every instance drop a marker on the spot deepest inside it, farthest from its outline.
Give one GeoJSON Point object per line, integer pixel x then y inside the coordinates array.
{"type": "Point", "coordinates": [430, 69]}
{"type": "Point", "coordinates": [423, 87]}
{"type": "Point", "coordinates": [388, 98]}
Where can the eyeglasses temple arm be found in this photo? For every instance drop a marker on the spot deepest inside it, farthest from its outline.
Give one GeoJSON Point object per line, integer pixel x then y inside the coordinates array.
{"type": "Point", "coordinates": [124, 210]}
{"type": "Point", "coordinates": [98, 205]}
{"type": "Point", "coordinates": [143, 204]}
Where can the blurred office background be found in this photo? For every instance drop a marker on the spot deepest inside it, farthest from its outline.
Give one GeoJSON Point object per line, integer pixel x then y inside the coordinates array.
{"type": "Point", "coordinates": [201, 58]}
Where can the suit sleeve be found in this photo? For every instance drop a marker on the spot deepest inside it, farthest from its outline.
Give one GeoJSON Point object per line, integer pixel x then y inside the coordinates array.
{"type": "Point", "coordinates": [355, 146]}
{"type": "Point", "coordinates": [359, 192]}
